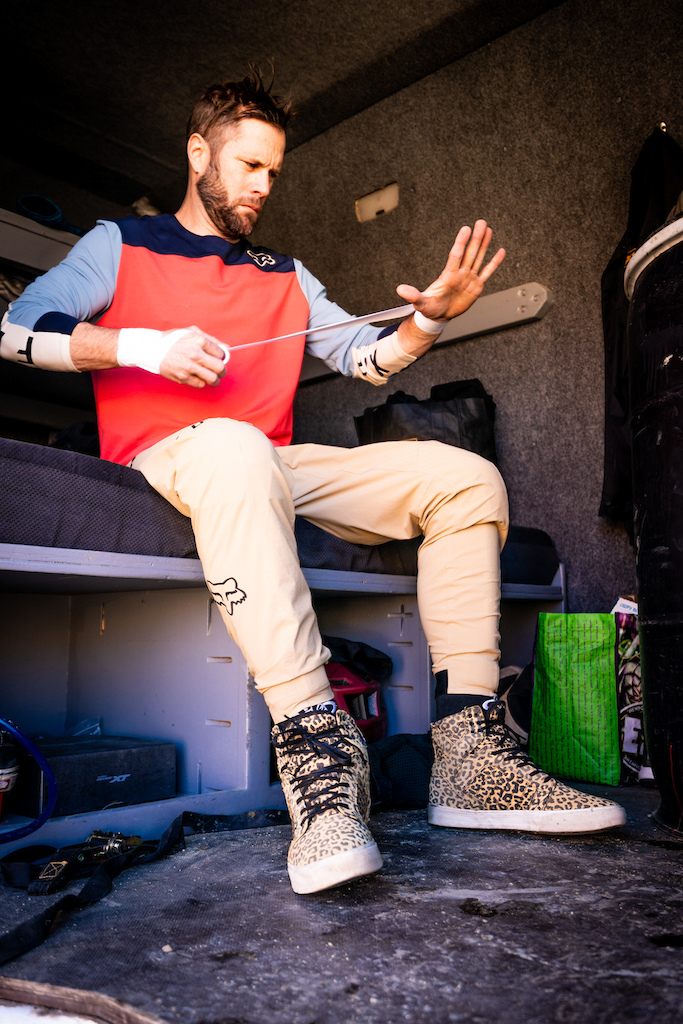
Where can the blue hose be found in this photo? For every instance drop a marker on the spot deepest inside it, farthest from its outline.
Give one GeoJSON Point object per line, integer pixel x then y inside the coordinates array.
{"type": "Point", "coordinates": [27, 744]}
{"type": "Point", "coordinates": [44, 211]}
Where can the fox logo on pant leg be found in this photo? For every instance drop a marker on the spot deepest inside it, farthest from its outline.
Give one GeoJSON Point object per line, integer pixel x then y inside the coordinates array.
{"type": "Point", "coordinates": [227, 593]}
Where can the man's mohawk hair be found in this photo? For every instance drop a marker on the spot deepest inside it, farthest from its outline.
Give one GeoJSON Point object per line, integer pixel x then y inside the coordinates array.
{"type": "Point", "coordinates": [228, 103]}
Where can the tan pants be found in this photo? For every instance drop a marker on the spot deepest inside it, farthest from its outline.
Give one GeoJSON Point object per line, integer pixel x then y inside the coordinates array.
{"type": "Point", "coordinates": [242, 494]}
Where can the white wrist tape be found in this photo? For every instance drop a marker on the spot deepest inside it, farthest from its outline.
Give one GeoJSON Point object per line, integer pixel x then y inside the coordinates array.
{"type": "Point", "coordinates": [145, 348]}
{"type": "Point", "coordinates": [427, 325]}
{"type": "Point", "coordinates": [46, 350]}
{"type": "Point", "coordinates": [140, 346]}
{"type": "Point", "coordinates": [379, 360]}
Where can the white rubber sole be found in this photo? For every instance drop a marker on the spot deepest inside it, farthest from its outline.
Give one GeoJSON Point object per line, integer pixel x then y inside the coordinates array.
{"type": "Point", "coordinates": [583, 819]}
{"type": "Point", "coordinates": [331, 871]}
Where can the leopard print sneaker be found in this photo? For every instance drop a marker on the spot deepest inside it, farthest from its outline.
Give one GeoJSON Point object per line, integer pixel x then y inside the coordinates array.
{"type": "Point", "coordinates": [482, 779]}
{"type": "Point", "coordinates": [323, 764]}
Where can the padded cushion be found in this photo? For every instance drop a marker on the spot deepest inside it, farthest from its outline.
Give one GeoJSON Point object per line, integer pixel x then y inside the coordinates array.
{"type": "Point", "coordinates": [55, 498]}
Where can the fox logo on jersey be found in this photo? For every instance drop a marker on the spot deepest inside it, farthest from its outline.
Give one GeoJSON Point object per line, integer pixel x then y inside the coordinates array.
{"type": "Point", "coordinates": [261, 259]}
{"type": "Point", "coordinates": [227, 593]}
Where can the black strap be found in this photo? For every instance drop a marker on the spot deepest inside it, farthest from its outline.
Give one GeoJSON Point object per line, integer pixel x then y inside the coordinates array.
{"type": "Point", "coordinates": [20, 868]}
{"type": "Point", "coordinates": [23, 868]}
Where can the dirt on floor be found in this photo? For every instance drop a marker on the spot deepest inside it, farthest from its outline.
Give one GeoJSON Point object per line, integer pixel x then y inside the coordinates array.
{"type": "Point", "coordinates": [461, 926]}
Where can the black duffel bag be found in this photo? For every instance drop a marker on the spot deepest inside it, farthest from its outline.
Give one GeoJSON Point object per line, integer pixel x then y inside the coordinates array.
{"type": "Point", "coordinates": [460, 413]}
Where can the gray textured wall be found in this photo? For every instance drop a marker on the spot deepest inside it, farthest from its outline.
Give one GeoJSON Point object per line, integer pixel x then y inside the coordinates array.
{"type": "Point", "coordinates": [537, 132]}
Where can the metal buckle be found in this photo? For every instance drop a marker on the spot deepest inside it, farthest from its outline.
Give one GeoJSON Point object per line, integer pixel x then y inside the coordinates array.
{"type": "Point", "coordinates": [103, 845]}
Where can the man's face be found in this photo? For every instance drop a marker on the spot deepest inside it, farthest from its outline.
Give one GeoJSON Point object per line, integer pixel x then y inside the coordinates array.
{"type": "Point", "coordinates": [240, 175]}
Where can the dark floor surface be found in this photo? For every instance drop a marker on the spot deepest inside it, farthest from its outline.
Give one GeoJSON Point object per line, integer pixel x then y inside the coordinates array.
{"type": "Point", "coordinates": [478, 927]}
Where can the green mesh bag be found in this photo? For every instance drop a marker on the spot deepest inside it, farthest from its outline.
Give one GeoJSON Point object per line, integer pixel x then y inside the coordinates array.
{"type": "Point", "coordinates": [574, 718]}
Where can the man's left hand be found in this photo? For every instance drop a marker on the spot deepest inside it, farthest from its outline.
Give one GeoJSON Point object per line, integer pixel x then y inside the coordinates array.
{"type": "Point", "coordinates": [463, 278]}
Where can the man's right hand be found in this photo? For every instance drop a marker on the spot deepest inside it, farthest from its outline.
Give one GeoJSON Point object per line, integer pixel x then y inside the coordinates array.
{"type": "Point", "coordinates": [186, 355]}
{"type": "Point", "coordinates": [194, 358]}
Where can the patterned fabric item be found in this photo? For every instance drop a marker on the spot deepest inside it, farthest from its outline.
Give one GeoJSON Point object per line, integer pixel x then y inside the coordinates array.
{"type": "Point", "coordinates": [630, 698]}
{"type": "Point", "coordinates": [483, 779]}
{"type": "Point", "coordinates": [323, 764]}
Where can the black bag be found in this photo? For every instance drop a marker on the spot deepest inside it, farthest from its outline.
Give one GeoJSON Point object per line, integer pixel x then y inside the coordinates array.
{"type": "Point", "coordinates": [368, 662]}
{"type": "Point", "coordinates": [460, 413]}
{"type": "Point", "coordinates": [400, 769]}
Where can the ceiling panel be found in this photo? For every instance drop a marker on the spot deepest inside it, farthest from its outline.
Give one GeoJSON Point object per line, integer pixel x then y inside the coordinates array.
{"type": "Point", "coordinates": [103, 89]}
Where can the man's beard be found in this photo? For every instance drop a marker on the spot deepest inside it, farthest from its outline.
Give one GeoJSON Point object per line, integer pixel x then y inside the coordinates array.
{"type": "Point", "coordinates": [222, 213]}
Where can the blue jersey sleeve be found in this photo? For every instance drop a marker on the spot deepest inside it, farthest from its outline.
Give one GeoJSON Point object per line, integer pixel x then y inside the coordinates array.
{"type": "Point", "coordinates": [355, 351]}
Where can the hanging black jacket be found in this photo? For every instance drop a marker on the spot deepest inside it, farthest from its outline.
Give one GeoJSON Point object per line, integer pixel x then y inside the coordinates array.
{"type": "Point", "coordinates": [656, 183]}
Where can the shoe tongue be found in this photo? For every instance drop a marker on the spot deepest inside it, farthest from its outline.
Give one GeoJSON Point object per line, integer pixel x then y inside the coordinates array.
{"type": "Point", "coordinates": [494, 711]}
{"type": "Point", "coordinates": [328, 707]}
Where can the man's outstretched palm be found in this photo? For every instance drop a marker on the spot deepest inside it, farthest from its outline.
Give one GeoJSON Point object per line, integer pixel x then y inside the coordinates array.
{"type": "Point", "coordinates": [462, 280]}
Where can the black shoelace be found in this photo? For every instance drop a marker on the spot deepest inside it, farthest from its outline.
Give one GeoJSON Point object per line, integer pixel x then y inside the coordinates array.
{"type": "Point", "coordinates": [514, 753]}
{"type": "Point", "coordinates": [325, 788]}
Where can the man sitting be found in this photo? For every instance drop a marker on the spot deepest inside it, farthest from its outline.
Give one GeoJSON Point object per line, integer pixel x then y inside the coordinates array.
{"type": "Point", "coordinates": [208, 420]}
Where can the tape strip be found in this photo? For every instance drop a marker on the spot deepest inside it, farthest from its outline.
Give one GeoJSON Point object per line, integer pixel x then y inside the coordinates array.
{"type": "Point", "coordinates": [368, 318]}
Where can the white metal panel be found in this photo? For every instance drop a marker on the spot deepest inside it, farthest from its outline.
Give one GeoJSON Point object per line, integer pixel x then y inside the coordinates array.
{"type": "Point", "coordinates": [157, 664]}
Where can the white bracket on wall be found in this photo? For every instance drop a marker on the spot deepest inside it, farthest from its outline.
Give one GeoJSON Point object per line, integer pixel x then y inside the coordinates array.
{"type": "Point", "coordinates": [509, 308]}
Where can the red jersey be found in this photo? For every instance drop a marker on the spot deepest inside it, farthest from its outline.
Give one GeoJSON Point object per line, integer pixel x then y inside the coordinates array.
{"type": "Point", "coordinates": [168, 277]}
